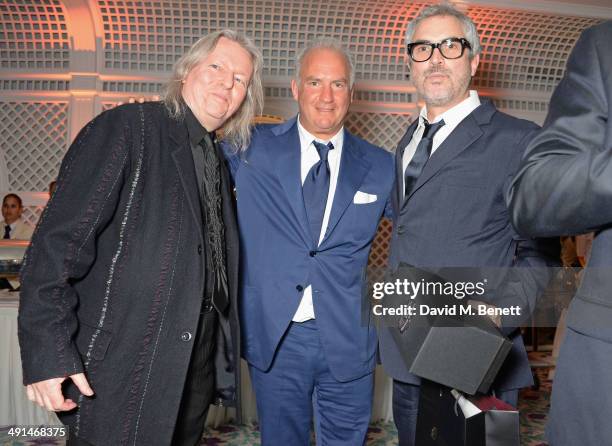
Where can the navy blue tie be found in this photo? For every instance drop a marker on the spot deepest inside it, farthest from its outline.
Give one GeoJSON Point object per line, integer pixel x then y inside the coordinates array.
{"type": "Point", "coordinates": [315, 189]}
{"type": "Point", "coordinates": [420, 157]}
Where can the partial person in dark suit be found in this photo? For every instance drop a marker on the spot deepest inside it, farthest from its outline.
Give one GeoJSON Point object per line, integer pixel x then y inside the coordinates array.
{"type": "Point", "coordinates": [564, 186]}
{"type": "Point", "coordinates": [310, 196]}
{"type": "Point", "coordinates": [128, 303]}
{"type": "Point", "coordinates": [452, 168]}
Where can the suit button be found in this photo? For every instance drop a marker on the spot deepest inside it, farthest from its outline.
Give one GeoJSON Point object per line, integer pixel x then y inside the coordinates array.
{"type": "Point", "coordinates": [312, 253]}
{"type": "Point", "coordinates": [300, 288]}
{"type": "Point", "coordinates": [199, 249]}
{"type": "Point", "coordinates": [186, 336]}
{"type": "Point", "coordinates": [434, 433]}
{"type": "Point", "coordinates": [400, 229]}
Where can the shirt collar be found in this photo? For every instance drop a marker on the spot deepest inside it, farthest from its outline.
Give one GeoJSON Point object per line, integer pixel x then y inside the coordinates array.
{"type": "Point", "coordinates": [195, 129]}
{"type": "Point", "coordinates": [306, 137]}
{"type": "Point", "coordinates": [456, 114]}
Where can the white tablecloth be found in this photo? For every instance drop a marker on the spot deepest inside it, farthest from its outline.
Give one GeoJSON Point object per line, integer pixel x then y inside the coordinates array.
{"type": "Point", "coordinates": [15, 408]}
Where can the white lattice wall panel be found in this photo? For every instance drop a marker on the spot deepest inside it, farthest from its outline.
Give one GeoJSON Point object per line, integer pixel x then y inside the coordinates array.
{"type": "Point", "coordinates": [383, 129]}
{"type": "Point", "coordinates": [379, 253]}
{"type": "Point", "coordinates": [31, 214]}
{"type": "Point", "coordinates": [33, 35]}
{"type": "Point", "coordinates": [278, 92]}
{"type": "Point", "coordinates": [152, 35]}
{"type": "Point", "coordinates": [132, 87]}
{"type": "Point", "coordinates": [34, 139]}
{"type": "Point", "coordinates": [519, 105]}
{"type": "Point", "coordinates": [524, 50]}
{"type": "Point", "coordinates": [34, 84]}
{"type": "Point", "coordinates": [520, 53]}
{"type": "Point", "coordinates": [532, 110]}
{"type": "Point", "coordinates": [396, 97]}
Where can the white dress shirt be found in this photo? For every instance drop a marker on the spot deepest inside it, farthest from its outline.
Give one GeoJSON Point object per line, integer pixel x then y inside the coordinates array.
{"type": "Point", "coordinates": [309, 157]}
{"type": "Point", "coordinates": [20, 230]}
{"type": "Point", "coordinates": [452, 117]}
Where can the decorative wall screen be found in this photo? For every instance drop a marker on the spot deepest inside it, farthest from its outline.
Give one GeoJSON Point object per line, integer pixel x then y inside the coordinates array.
{"type": "Point", "coordinates": [152, 35]}
{"type": "Point", "coordinates": [519, 53]}
{"type": "Point", "coordinates": [33, 35]}
{"type": "Point", "coordinates": [31, 214]}
{"type": "Point", "coordinates": [379, 253]}
{"type": "Point", "coordinates": [382, 129]}
{"type": "Point", "coordinates": [520, 56]}
{"type": "Point", "coordinates": [34, 140]}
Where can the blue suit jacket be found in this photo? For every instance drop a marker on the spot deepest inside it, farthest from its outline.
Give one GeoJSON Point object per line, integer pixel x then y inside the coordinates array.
{"type": "Point", "coordinates": [456, 216]}
{"type": "Point", "coordinates": [279, 258]}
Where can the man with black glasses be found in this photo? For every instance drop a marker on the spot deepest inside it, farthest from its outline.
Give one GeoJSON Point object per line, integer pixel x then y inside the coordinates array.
{"type": "Point", "coordinates": [453, 166]}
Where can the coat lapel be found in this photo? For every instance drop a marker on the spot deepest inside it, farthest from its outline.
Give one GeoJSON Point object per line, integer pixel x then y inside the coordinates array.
{"type": "Point", "coordinates": [399, 171]}
{"type": "Point", "coordinates": [183, 159]}
{"type": "Point", "coordinates": [462, 137]}
{"type": "Point", "coordinates": [286, 156]}
{"type": "Point", "coordinates": [231, 229]}
{"type": "Point", "coordinates": [353, 168]}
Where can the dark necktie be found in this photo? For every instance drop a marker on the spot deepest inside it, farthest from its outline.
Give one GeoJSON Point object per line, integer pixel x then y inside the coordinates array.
{"type": "Point", "coordinates": [214, 233]}
{"type": "Point", "coordinates": [7, 231]}
{"type": "Point", "coordinates": [420, 157]}
{"type": "Point", "coordinates": [315, 189]}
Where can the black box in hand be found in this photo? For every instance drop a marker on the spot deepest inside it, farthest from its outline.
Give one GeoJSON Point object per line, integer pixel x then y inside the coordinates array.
{"type": "Point", "coordinates": [458, 348]}
{"type": "Point", "coordinates": [463, 357]}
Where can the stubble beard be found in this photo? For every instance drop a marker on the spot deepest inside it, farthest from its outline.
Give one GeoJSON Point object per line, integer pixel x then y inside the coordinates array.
{"type": "Point", "coordinates": [457, 87]}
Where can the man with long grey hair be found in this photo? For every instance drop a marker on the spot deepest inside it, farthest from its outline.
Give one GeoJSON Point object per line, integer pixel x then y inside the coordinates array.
{"type": "Point", "coordinates": [128, 320]}
{"type": "Point", "coordinates": [237, 127]}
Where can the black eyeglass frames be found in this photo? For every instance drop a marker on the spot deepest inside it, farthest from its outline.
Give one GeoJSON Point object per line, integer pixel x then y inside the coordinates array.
{"type": "Point", "coordinates": [451, 48]}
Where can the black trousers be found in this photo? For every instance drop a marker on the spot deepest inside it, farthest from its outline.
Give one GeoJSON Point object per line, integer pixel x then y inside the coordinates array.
{"type": "Point", "coordinates": [199, 388]}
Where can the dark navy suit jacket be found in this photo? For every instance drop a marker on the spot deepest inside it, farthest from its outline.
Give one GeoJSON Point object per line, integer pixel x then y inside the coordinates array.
{"type": "Point", "coordinates": [565, 184]}
{"type": "Point", "coordinates": [565, 187]}
{"type": "Point", "coordinates": [456, 216]}
{"type": "Point", "coordinates": [279, 258]}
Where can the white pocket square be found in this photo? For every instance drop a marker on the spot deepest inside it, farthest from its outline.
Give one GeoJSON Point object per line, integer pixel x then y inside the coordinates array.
{"type": "Point", "coordinates": [363, 198]}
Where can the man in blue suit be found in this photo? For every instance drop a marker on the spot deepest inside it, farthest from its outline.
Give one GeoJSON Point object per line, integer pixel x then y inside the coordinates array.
{"type": "Point", "coordinates": [452, 166]}
{"type": "Point", "coordinates": [310, 196]}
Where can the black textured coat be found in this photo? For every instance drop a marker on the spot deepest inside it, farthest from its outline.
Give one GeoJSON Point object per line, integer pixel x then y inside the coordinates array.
{"type": "Point", "coordinates": [113, 280]}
